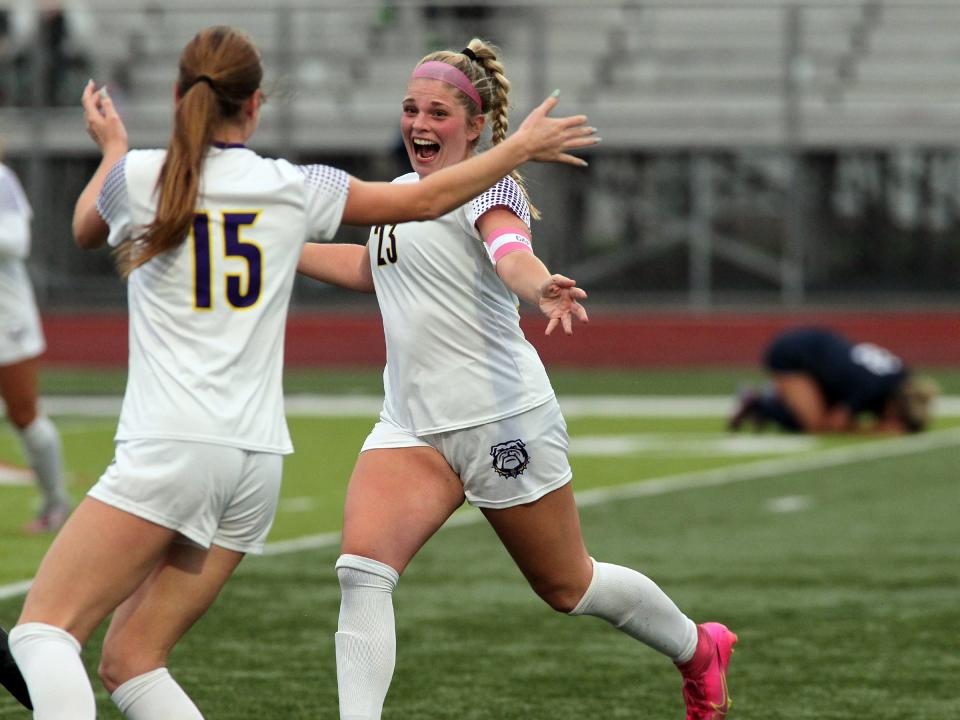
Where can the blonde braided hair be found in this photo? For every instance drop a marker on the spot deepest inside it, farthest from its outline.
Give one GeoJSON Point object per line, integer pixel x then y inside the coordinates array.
{"type": "Point", "coordinates": [487, 75]}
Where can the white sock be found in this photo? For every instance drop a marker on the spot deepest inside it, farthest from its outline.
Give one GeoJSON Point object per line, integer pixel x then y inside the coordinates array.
{"type": "Point", "coordinates": [49, 659]}
{"type": "Point", "coordinates": [366, 640]}
{"type": "Point", "coordinates": [154, 695]}
{"type": "Point", "coordinates": [41, 445]}
{"type": "Point", "coordinates": [633, 603]}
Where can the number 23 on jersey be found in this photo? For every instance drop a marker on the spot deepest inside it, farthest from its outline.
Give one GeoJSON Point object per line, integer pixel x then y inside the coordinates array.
{"type": "Point", "coordinates": [241, 292]}
{"type": "Point", "coordinates": [386, 245]}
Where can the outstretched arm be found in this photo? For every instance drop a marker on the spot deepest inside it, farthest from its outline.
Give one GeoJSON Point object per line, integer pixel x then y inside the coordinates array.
{"type": "Point", "coordinates": [524, 273]}
{"type": "Point", "coordinates": [106, 128]}
{"type": "Point", "coordinates": [540, 137]}
{"type": "Point", "coordinates": [343, 264]}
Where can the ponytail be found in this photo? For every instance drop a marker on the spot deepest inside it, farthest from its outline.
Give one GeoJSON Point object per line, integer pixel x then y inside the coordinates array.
{"type": "Point", "coordinates": [219, 70]}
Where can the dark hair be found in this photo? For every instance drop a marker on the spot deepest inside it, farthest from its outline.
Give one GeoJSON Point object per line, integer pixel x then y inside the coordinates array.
{"type": "Point", "coordinates": [220, 69]}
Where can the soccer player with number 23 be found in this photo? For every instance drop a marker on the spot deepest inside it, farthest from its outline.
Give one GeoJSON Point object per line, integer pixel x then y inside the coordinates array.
{"type": "Point", "coordinates": [469, 413]}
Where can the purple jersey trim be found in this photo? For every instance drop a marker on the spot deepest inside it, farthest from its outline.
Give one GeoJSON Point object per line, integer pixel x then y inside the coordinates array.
{"type": "Point", "coordinates": [505, 193]}
{"type": "Point", "coordinates": [324, 177]}
{"type": "Point", "coordinates": [113, 195]}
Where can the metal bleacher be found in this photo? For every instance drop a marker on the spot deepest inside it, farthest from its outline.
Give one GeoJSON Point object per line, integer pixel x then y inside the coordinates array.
{"type": "Point", "coordinates": [651, 74]}
{"type": "Point", "coordinates": [716, 117]}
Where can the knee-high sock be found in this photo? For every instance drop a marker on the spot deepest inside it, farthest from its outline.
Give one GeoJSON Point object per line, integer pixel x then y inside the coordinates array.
{"type": "Point", "coordinates": [154, 695]}
{"type": "Point", "coordinates": [633, 603]}
{"type": "Point", "coordinates": [41, 445]}
{"type": "Point", "coordinates": [366, 640]}
{"type": "Point", "coordinates": [49, 659]}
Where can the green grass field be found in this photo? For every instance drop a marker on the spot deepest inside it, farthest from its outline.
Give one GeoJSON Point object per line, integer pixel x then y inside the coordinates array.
{"type": "Point", "coordinates": [835, 561]}
{"type": "Point", "coordinates": [691, 381]}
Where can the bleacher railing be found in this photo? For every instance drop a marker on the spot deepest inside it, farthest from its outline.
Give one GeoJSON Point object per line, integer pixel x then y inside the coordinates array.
{"type": "Point", "coordinates": [732, 106]}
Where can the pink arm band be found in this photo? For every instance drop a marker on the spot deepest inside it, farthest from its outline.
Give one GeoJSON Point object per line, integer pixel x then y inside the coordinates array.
{"type": "Point", "coordinates": [508, 240]}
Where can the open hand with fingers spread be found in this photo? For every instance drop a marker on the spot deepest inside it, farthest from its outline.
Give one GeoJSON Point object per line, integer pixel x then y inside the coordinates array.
{"type": "Point", "coordinates": [560, 302]}
{"type": "Point", "coordinates": [103, 122]}
{"type": "Point", "coordinates": [549, 139]}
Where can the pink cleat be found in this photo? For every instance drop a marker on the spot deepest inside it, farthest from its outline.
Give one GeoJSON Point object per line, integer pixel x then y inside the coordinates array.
{"type": "Point", "coordinates": [48, 521]}
{"type": "Point", "coordinates": [705, 675]}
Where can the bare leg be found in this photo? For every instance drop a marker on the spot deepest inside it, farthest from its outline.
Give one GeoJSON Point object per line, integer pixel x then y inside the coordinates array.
{"type": "Point", "coordinates": [40, 441]}
{"type": "Point", "coordinates": [97, 560]}
{"type": "Point", "coordinates": [545, 541]}
{"type": "Point", "coordinates": [19, 390]}
{"type": "Point", "coordinates": [803, 398]}
{"type": "Point", "coordinates": [151, 621]}
{"type": "Point", "coordinates": [397, 499]}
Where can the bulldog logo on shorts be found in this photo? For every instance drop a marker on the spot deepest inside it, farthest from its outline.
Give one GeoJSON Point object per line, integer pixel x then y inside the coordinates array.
{"type": "Point", "coordinates": [510, 458]}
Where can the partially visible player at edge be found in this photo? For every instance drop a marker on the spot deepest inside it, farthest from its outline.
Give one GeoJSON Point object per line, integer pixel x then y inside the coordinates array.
{"type": "Point", "coordinates": [10, 676]}
{"type": "Point", "coordinates": [21, 344]}
{"type": "Point", "coordinates": [469, 412]}
{"type": "Point", "coordinates": [208, 234]}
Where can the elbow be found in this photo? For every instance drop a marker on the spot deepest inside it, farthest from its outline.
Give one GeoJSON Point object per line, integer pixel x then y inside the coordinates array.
{"type": "Point", "coordinates": [89, 233]}
{"type": "Point", "coordinates": [87, 240]}
{"type": "Point", "coordinates": [81, 239]}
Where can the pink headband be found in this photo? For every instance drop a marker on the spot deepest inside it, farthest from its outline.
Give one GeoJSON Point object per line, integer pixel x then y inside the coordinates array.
{"type": "Point", "coordinates": [436, 70]}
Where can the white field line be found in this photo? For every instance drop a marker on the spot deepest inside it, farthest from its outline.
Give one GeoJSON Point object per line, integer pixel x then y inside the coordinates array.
{"type": "Point", "coordinates": [15, 589]}
{"type": "Point", "coordinates": [369, 406]}
{"type": "Point", "coordinates": [835, 457]}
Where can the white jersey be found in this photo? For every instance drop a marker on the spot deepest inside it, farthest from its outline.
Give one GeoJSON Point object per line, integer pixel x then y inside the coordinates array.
{"type": "Point", "coordinates": [207, 318]}
{"type": "Point", "coordinates": [21, 336]}
{"type": "Point", "coordinates": [456, 356]}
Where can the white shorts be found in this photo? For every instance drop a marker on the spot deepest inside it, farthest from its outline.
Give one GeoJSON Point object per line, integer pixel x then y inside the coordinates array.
{"type": "Point", "coordinates": [21, 334]}
{"type": "Point", "coordinates": [210, 494]}
{"type": "Point", "coordinates": [501, 464]}
{"type": "Point", "coordinates": [21, 338]}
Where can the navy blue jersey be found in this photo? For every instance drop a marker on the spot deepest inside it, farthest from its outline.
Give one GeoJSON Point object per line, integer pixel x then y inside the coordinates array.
{"type": "Point", "coordinates": [860, 376]}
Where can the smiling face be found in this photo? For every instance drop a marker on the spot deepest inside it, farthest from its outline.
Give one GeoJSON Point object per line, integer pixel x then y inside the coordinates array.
{"type": "Point", "coordinates": [435, 127]}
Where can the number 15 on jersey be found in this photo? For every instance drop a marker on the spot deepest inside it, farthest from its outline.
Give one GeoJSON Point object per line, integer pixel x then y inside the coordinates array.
{"type": "Point", "coordinates": [241, 292]}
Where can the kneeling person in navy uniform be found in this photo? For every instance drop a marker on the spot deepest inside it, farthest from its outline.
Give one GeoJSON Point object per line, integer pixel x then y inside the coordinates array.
{"type": "Point", "coordinates": [822, 383]}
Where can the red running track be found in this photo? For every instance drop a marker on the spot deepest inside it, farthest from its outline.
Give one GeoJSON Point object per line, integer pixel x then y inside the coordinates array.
{"type": "Point", "coordinates": [611, 339]}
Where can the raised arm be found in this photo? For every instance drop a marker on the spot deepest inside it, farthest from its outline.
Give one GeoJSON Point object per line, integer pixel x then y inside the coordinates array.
{"type": "Point", "coordinates": [106, 128]}
{"type": "Point", "coordinates": [540, 137]}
